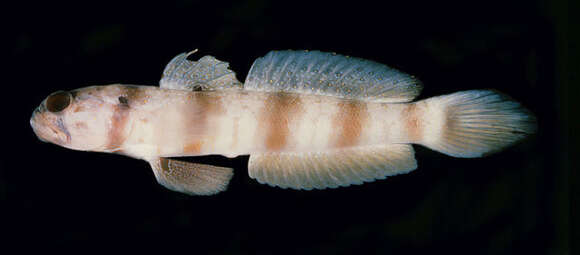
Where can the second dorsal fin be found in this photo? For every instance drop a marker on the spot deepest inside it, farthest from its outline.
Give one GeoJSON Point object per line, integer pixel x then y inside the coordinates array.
{"type": "Point", "coordinates": [207, 73]}
{"type": "Point", "coordinates": [330, 74]}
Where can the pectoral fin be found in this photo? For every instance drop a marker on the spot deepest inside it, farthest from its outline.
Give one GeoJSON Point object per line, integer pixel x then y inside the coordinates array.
{"type": "Point", "coordinates": [191, 178]}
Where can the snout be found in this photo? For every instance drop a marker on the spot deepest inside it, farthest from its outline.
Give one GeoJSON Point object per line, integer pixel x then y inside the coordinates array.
{"type": "Point", "coordinates": [48, 128]}
{"type": "Point", "coordinates": [34, 123]}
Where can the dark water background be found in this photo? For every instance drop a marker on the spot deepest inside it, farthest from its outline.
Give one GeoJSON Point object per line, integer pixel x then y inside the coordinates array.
{"type": "Point", "coordinates": [514, 202]}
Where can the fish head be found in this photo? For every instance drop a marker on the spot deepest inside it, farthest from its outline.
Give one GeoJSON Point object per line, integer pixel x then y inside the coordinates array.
{"type": "Point", "coordinates": [79, 119]}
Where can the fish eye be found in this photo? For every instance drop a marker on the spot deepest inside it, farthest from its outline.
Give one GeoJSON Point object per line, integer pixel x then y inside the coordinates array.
{"type": "Point", "coordinates": [58, 101]}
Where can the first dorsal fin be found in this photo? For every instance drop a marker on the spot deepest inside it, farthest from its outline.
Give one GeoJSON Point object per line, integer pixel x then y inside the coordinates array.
{"type": "Point", "coordinates": [330, 74]}
{"type": "Point", "coordinates": [207, 73]}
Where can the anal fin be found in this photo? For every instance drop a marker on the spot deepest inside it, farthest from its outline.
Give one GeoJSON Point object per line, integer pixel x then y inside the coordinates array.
{"type": "Point", "coordinates": [331, 169]}
{"type": "Point", "coordinates": [191, 178]}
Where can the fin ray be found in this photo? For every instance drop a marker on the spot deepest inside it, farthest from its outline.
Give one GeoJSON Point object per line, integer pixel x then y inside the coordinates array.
{"type": "Point", "coordinates": [330, 74]}
{"type": "Point", "coordinates": [476, 123]}
{"type": "Point", "coordinates": [191, 178]}
{"type": "Point", "coordinates": [337, 168]}
{"type": "Point", "coordinates": [208, 73]}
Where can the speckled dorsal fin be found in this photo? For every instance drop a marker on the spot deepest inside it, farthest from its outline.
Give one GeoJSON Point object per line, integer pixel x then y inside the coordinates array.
{"type": "Point", "coordinates": [207, 73]}
{"type": "Point", "coordinates": [329, 74]}
{"type": "Point", "coordinates": [191, 178]}
{"type": "Point", "coordinates": [320, 170]}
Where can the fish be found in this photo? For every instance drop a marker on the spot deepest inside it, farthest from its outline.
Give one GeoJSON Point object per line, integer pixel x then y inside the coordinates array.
{"type": "Point", "coordinates": [307, 119]}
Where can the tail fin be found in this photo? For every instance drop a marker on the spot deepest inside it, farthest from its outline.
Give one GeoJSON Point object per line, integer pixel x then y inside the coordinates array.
{"type": "Point", "coordinates": [475, 123]}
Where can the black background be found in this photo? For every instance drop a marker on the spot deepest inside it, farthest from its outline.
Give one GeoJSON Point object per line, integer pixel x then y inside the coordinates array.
{"type": "Point", "coordinates": [513, 202]}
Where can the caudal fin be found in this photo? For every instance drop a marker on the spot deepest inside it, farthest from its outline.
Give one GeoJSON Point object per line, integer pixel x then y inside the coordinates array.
{"type": "Point", "coordinates": [475, 123]}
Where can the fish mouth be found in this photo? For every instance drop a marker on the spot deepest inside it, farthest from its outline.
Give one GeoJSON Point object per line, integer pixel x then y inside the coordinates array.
{"type": "Point", "coordinates": [37, 133]}
{"type": "Point", "coordinates": [35, 126]}
{"type": "Point", "coordinates": [49, 129]}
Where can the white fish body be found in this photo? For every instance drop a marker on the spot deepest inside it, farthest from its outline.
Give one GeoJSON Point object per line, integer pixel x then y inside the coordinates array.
{"type": "Point", "coordinates": [308, 120]}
